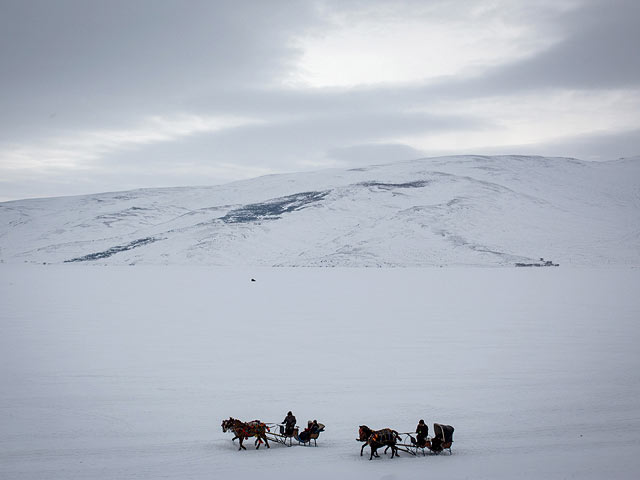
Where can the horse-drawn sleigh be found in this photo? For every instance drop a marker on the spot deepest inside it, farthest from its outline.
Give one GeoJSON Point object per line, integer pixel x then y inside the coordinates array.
{"type": "Point", "coordinates": [391, 439]}
{"type": "Point", "coordinates": [375, 439]}
{"type": "Point", "coordinates": [263, 433]}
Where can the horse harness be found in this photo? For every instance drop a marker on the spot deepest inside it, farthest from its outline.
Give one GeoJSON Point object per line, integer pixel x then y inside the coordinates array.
{"type": "Point", "coordinates": [251, 429]}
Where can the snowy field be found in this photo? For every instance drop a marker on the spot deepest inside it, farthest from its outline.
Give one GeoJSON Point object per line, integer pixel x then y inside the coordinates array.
{"type": "Point", "coordinates": [127, 372]}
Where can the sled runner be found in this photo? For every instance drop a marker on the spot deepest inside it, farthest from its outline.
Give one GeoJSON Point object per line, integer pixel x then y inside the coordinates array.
{"type": "Point", "coordinates": [409, 446]}
{"type": "Point", "coordinates": [282, 436]}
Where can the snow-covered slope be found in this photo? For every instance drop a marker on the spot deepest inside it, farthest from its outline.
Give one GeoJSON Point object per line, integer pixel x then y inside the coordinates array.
{"type": "Point", "coordinates": [466, 210]}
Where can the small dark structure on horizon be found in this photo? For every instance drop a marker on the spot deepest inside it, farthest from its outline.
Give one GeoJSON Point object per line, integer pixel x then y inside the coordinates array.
{"type": "Point", "coordinates": [541, 263]}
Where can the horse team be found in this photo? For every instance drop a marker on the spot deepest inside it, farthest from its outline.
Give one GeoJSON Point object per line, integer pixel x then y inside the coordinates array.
{"type": "Point", "coordinates": [375, 439]}
{"type": "Point", "coordinates": [245, 430]}
{"type": "Point", "coordinates": [378, 438]}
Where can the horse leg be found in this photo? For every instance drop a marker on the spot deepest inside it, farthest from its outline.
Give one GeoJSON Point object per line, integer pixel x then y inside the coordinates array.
{"type": "Point", "coordinates": [266, 442]}
{"type": "Point", "coordinates": [374, 452]}
{"type": "Point", "coordinates": [240, 440]}
{"type": "Point", "coordinates": [362, 449]}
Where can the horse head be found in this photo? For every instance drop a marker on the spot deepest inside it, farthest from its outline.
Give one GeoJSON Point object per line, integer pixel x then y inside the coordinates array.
{"type": "Point", "coordinates": [227, 424]}
{"type": "Point", "coordinates": [364, 432]}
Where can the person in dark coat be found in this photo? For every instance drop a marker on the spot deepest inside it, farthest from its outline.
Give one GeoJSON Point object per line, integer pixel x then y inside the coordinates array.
{"type": "Point", "coordinates": [312, 427]}
{"type": "Point", "coordinates": [436, 445]}
{"type": "Point", "coordinates": [423, 432]}
{"type": "Point", "coordinates": [289, 424]}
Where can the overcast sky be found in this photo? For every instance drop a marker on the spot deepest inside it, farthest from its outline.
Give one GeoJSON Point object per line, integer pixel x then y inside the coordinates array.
{"type": "Point", "coordinates": [113, 95]}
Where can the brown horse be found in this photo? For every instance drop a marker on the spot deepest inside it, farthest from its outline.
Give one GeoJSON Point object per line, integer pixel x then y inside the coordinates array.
{"type": "Point", "coordinates": [378, 438]}
{"type": "Point", "coordinates": [244, 430]}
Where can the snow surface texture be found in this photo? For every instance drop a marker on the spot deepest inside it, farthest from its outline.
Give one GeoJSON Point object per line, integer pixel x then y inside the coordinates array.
{"type": "Point", "coordinates": [127, 373]}
{"type": "Point", "coordinates": [468, 210]}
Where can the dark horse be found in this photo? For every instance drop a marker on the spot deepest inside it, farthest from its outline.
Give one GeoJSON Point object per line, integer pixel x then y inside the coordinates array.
{"type": "Point", "coordinates": [378, 438]}
{"type": "Point", "coordinates": [244, 430]}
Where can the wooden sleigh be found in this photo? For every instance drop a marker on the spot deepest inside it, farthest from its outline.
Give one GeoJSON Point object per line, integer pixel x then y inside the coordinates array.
{"type": "Point", "coordinates": [442, 440]}
{"type": "Point", "coordinates": [287, 439]}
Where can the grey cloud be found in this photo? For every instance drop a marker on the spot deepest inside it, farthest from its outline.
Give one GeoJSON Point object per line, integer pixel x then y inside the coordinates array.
{"type": "Point", "coordinates": [97, 61]}
{"type": "Point", "coordinates": [148, 166]}
{"type": "Point", "coordinates": [49, 183]}
{"type": "Point", "coordinates": [283, 146]}
{"type": "Point", "coordinates": [75, 66]}
{"type": "Point", "coordinates": [599, 51]}
{"type": "Point", "coordinates": [596, 146]}
{"type": "Point", "coordinates": [287, 145]}
{"type": "Point", "coordinates": [373, 153]}
{"type": "Point", "coordinates": [591, 147]}
{"type": "Point", "coordinates": [89, 64]}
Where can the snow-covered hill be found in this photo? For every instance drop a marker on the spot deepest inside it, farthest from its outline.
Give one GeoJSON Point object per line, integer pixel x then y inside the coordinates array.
{"type": "Point", "coordinates": [465, 210]}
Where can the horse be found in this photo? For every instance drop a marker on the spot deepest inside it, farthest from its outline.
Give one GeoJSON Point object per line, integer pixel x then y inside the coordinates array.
{"type": "Point", "coordinates": [244, 430]}
{"type": "Point", "coordinates": [378, 438]}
